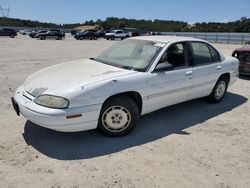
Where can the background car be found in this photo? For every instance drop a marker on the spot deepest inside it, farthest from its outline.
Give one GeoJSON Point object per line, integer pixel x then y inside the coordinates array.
{"type": "Point", "coordinates": [243, 55]}
{"type": "Point", "coordinates": [87, 34]}
{"type": "Point", "coordinates": [100, 34]}
{"type": "Point", "coordinates": [25, 31]}
{"type": "Point", "coordinates": [116, 34]}
{"type": "Point", "coordinates": [74, 31]}
{"type": "Point", "coordinates": [248, 42]}
{"type": "Point", "coordinates": [8, 32]}
{"type": "Point", "coordinates": [34, 34]}
{"type": "Point", "coordinates": [51, 34]}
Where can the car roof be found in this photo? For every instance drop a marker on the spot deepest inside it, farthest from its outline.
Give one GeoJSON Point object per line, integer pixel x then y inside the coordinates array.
{"type": "Point", "coordinates": [118, 30]}
{"type": "Point", "coordinates": [245, 48]}
{"type": "Point", "coordinates": [167, 39]}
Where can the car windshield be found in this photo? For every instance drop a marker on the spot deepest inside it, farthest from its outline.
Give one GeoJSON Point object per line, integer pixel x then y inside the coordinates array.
{"type": "Point", "coordinates": [131, 54]}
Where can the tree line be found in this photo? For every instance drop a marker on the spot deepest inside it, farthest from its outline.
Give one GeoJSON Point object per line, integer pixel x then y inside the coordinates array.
{"type": "Point", "coordinates": [241, 25]}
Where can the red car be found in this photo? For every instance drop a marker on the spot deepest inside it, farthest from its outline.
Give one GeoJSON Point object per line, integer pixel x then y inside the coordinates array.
{"type": "Point", "coordinates": [243, 55]}
{"type": "Point", "coordinates": [248, 42]}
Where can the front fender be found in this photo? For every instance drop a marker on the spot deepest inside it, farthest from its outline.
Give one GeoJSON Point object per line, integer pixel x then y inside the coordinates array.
{"type": "Point", "coordinates": [97, 93]}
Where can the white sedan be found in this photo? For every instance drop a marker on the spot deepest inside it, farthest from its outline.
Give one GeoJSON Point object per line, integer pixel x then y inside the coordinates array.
{"type": "Point", "coordinates": [132, 78]}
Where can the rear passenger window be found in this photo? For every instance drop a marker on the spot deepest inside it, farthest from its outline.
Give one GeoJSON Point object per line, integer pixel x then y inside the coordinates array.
{"type": "Point", "coordinates": [201, 53]}
{"type": "Point", "coordinates": [215, 54]}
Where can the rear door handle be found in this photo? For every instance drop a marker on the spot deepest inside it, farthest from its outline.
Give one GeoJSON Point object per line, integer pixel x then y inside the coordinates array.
{"type": "Point", "coordinates": [218, 67]}
{"type": "Point", "coordinates": [189, 73]}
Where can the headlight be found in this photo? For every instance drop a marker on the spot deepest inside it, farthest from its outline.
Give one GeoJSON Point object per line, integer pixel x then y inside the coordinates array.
{"type": "Point", "coordinates": [51, 101]}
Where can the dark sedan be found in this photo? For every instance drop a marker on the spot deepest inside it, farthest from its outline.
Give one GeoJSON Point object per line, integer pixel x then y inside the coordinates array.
{"type": "Point", "coordinates": [34, 34]}
{"type": "Point", "coordinates": [8, 32]}
{"type": "Point", "coordinates": [87, 34]}
{"type": "Point", "coordinates": [52, 34]}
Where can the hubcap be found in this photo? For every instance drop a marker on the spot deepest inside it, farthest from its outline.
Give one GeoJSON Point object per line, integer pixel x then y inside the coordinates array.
{"type": "Point", "coordinates": [220, 90]}
{"type": "Point", "coordinates": [116, 118]}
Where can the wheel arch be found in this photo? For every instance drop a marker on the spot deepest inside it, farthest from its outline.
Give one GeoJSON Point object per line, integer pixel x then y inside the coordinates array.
{"type": "Point", "coordinates": [134, 95]}
{"type": "Point", "coordinates": [226, 76]}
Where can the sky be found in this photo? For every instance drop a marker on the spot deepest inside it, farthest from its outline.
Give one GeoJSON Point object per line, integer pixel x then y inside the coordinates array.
{"type": "Point", "coordinates": [73, 11]}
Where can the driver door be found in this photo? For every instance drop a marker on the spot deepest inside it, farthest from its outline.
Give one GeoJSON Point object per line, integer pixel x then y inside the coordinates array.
{"type": "Point", "coordinates": [168, 87]}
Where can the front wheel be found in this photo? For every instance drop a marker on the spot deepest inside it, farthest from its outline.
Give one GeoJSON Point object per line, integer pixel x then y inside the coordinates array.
{"type": "Point", "coordinates": [118, 116]}
{"type": "Point", "coordinates": [219, 90]}
{"type": "Point", "coordinates": [42, 37]}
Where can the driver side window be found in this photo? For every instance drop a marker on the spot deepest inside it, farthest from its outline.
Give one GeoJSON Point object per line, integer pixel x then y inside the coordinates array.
{"type": "Point", "coordinates": [176, 55]}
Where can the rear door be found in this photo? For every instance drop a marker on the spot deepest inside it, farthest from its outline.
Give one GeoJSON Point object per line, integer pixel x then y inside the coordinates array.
{"type": "Point", "coordinates": [52, 34]}
{"type": "Point", "coordinates": [207, 68]}
{"type": "Point", "coordinates": [119, 34]}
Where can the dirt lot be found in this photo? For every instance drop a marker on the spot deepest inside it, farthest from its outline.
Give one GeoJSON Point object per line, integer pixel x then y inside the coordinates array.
{"type": "Point", "coordinates": [194, 144]}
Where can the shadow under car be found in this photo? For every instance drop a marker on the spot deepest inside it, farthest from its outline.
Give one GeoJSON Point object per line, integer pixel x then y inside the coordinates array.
{"type": "Point", "coordinates": [156, 125]}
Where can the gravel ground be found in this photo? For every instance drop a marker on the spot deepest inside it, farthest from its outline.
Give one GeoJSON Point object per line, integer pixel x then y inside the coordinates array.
{"type": "Point", "coordinates": [193, 144]}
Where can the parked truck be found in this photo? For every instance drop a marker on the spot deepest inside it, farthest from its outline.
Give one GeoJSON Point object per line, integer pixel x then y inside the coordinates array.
{"type": "Point", "coordinates": [116, 34]}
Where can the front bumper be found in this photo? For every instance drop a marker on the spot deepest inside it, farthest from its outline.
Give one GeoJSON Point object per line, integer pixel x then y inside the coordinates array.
{"type": "Point", "coordinates": [56, 119]}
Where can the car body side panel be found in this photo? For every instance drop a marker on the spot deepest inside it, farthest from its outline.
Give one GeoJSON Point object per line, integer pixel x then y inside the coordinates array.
{"type": "Point", "coordinates": [168, 88]}
{"type": "Point", "coordinates": [99, 92]}
{"type": "Point", "coordinates": [206, 76]}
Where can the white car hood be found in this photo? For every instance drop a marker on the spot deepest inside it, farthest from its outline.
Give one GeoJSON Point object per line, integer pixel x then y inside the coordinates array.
{"type": "Point", "coordinates": [64, 78]}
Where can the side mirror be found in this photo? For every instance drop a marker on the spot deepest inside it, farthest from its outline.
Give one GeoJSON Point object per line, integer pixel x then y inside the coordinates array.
{"type": "Point", "coordinates": [164, 66]}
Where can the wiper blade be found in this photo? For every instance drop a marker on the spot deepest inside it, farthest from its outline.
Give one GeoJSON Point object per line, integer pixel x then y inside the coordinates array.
{"type": "Point", "coordinates": [111, 64]}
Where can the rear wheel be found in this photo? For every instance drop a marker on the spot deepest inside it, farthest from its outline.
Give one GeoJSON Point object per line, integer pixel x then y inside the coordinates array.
{"type": "Point", "coordinates": [118, 116]}
{"type": "Point", "coordinates": [113, 38]}
{"type": "Point", "coordinates": [12, 35]}
{"type": "Point", "coordinates": [219, 90]}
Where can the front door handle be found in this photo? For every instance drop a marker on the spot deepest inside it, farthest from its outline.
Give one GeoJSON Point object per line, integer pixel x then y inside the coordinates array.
{"type": "Point", "coordinates": [189, 73]}
{"type": "Point", "coordinates": [218, 67]}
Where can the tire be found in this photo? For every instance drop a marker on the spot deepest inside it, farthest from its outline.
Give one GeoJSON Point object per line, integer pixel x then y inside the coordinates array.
{"type": "Point", "coordinates": [112, 38]}
{"type": "Point", "coordinates": [12, 35]}
{"type": "Point", "coordinates": [59, 38]}
{"type": "Point", "coordinates": [81, 38]}
{"type": "Point", "coordinates": [118, 116]}
{"type": "Point", "coordinates": [42, 37]}
{"type": "Point", "coordinates": [219, 90]}
{"type": "Point", "coordinates": [95, 38]}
